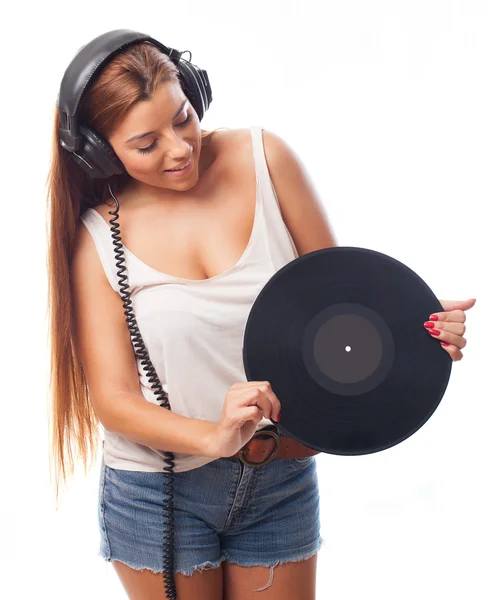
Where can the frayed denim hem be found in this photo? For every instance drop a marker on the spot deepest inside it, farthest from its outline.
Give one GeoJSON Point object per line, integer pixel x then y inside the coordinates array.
{"type": "Point", "coordinates": [302, 555]}
{"type": "Point", "coordinates": [299, 556]}
{"type": "Point", "coordinates": [132, 565]}
{"type": "Point", "coordinates": [138, 567]}
{"type": "Point", "coordinates": [202, 567]}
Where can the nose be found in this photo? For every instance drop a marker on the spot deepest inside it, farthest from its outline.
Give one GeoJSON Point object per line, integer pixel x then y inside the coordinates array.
{"type": "Point", "coordinates": [178, 148]}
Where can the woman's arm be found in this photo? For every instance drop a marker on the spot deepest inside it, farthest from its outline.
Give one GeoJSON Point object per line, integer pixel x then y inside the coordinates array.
{"type": "Point", "coordinates": [105, 349]}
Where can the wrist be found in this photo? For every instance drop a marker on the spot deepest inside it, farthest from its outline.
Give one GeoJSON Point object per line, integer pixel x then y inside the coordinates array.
{"type": "Point", "coordinates": [209, 440]}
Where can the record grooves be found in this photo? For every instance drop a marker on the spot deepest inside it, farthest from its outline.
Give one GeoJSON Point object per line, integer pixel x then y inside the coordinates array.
{"type": "Point", "coordinates": [339, 334]}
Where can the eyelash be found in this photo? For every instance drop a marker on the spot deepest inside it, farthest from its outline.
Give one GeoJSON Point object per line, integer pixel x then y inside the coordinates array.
{"type": "Point", "coordinates": [151, 147]}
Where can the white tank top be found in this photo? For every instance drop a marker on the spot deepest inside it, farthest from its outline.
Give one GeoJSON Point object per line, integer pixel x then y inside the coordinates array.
{"type": "Point", "coordinates": [193, 329]}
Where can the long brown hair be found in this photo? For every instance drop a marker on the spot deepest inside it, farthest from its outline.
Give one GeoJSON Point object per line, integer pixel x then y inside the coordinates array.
{"type": "Point", "coordinates": [130, 77]}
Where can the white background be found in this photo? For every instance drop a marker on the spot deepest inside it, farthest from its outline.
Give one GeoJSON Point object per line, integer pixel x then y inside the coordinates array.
{"type": "Point", "coordinates": [389, 106]}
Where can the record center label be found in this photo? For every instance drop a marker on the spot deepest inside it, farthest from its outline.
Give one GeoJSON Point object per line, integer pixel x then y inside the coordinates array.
{"type": "Point", "coordinates": [348, 349]}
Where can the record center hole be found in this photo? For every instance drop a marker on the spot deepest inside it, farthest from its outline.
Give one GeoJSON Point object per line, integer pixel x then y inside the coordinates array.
{"type": "Point", "coordinates": [348, 348]}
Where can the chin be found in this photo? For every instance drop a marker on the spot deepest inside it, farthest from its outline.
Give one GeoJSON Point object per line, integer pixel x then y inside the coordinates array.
{"type": "Point", "coordinates": [187, 182]}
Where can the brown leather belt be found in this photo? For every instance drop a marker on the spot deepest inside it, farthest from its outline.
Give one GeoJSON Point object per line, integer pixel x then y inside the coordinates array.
{"type": "Point", "coordinates": [266, 445]}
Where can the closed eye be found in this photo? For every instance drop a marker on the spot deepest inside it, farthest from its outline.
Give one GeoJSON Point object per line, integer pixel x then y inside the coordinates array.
{"type": "Point", "coordinates": [153, 145]}
{"type": "Point", "coordinates": [148, 149]}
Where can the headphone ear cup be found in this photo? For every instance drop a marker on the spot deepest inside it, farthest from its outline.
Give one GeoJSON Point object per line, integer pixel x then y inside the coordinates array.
{"type": "Point", "coordinates": [96, 156]}
{"type": "Point", "coordinates": [196, 86]}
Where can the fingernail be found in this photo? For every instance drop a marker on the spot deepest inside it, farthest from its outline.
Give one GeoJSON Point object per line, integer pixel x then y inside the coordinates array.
{"type": "Point", "coordinates": [444, 344]}
{"type": "Point", "coordinates": [434, 331]}
{"type": "Point", "coordinates": [429, 325]}
{"type": "Point", "coordinates": [434, 318]}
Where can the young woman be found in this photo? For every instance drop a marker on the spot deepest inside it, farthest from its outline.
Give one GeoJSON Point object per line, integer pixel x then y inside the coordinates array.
{"type": "Point", "coordinates": [206, 219]}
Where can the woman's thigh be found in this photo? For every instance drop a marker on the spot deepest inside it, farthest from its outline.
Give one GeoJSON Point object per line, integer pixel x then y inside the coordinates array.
{"type": "Point", "coordinates": [288, 581]}
{"type": "Point", "coordinates": [146, 585]}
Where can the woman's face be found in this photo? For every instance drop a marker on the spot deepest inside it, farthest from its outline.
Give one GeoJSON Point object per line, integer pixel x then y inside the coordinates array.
{"type": "Point", "coordinates": [160, 134]}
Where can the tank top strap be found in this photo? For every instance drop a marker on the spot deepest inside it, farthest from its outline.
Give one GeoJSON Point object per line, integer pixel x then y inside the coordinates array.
{"type": "Point", "coordinates": [281, 245]}
{"type": "Point", "coordinates": [101, 235]}
{"type": "Point", "coordinates": [259, 157]}
{"type": "Point", "coordinates": [263, 175]}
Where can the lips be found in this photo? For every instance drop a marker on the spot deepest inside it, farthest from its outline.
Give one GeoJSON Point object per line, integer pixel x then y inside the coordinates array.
{"type": "Point", "coordinates": [183, 164]}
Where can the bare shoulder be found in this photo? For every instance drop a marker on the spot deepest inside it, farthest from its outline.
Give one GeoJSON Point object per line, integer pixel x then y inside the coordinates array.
{"type": "Point", "coordinates": [225, 135]}
{"type": "Point", "coordinates": [224, 141]}
{"type": "Point", "coordinates": [277, 150]}
{"type": "Point", "coordinates": [224, 138]}
{"type": "Point", "coordinates": [240, 136]}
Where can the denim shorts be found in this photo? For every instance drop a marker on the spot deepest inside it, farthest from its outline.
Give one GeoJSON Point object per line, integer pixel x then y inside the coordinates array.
{"type": "Point", "coordinates": [224, 510]}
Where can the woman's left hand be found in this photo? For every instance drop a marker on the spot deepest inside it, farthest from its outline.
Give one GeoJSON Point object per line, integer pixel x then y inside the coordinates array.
{"type": "Point", "coordinates": [448, 326]}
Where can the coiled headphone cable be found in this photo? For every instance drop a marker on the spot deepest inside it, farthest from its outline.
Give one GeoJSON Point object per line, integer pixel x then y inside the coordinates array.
{"type": "Point", "coordinates": [141, 352]}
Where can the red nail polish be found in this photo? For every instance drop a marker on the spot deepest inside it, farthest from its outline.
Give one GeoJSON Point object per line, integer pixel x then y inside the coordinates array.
{"type": "Point", "coordinates": [434, 318]}
{"type": "Point", "coordinates": [444, 344]}
{"type": "Point", "coordinates": [434, 331]}
{"type": "Point", "coordinates": [429, 325]}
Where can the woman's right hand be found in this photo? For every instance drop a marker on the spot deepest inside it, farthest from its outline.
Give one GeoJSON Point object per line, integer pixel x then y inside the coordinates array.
{"type": "Point", "coordinates": [245, 404]}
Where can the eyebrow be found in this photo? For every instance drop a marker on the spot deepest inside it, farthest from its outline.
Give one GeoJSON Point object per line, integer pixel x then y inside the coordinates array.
{"type": "Point", "coordinates": [143, 135]}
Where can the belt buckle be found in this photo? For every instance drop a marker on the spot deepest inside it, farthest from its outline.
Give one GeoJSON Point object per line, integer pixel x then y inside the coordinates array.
{"type": "Point", "coordinates": [262, 432]}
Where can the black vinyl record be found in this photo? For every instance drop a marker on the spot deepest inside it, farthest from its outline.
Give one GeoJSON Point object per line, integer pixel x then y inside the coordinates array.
{"type": "Point", "coordinates": [339, 334]}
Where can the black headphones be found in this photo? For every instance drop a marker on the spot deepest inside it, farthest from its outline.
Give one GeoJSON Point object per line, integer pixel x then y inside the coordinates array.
{"type": "Point", "coordinates": [86, 147]}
